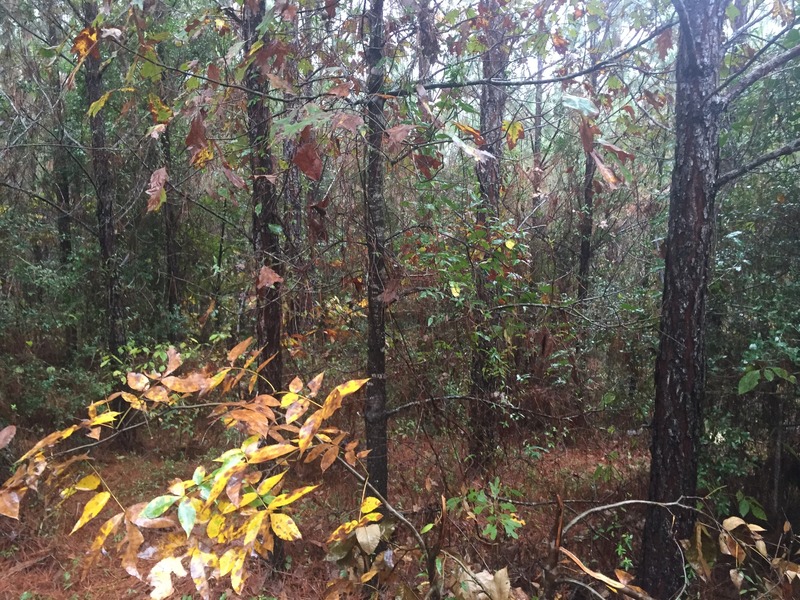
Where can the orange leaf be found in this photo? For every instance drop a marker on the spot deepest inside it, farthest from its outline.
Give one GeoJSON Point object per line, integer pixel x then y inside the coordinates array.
{"type": "Point", "coordinates": [238, 350]}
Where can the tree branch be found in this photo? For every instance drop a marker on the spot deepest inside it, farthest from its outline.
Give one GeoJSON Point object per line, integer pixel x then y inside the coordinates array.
{"type": "Point", "coordinates": [759, 72]}
{"type": "Point", "coordinates": [790, 148]}
{"type": "Point", "coordinates": [449, 85]}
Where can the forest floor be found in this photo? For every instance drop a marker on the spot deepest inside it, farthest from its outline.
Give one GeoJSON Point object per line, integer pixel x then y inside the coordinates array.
{"type": "Point", "coordinates": [39, 559]}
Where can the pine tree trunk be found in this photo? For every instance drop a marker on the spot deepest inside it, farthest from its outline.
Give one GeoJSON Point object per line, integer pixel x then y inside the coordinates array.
{"type": "Point", "coordinates": [375, 215]}
{"type": "Point", "coordinates": [266, 245]}
{"type": "Point", "coordinates": [103, 181]}
{"type": "Point", "coordinates": [680, 367]}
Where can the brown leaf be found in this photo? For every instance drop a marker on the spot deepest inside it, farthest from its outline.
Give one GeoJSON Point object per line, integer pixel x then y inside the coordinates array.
{"type": "Point", "coordinates": [426, 164]}
{"type": "Point", "coordinates": [390, 293]}
{"type": "Point", "coordinates": [239, 349]}
{"type": "Point", "coordinates": [280, 83]}
{"type": "Point", "coordinates": [622, 155]}
{"type": "Point", "coordinates": [233, 177]}
{"type": "Point", "coordinates": [341, 90]}
{"type": "Point", "coordinates": [156, 191]}
{"type": "Point", "coordinates": [611, 179]}
{"type": "Point", "coordinates": [347, 121]}
{"type": "Point", "coordinates": [6, 435]}
{"type": "Point", "coordinates": [559, 43]}
{"type": "Point", "coordinates": [9, 502]}
{"type": "Point", "coordinates": [197, 142]}
{"type": "Point", "coordinates": [308, 161]}
{"type": "Point", "coordinates": [86, 44]}
{"type": "Point", "coordinates": [267, 278]}
{"type": "Point", "coordinates": [396, 135]}
{"type": "Point", "coordinates": [587, 135]}
{"type": "Point", "coordinates": [476, 135]}
{"type": "Point", "coordinates": [664, 43]}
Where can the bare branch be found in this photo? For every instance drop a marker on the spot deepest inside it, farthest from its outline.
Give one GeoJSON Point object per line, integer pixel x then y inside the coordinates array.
{"type": "Point", "coordinates": [790, 148]}
{"type": "Point", "coordinates": [604, 64]}
{"type": "Point", "coordinates": [758, 73]}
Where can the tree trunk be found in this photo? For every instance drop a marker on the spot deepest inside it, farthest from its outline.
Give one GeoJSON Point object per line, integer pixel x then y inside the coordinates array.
{"type": "Point", "coordinates": [171, 248]}
{"type": "Point", "coordinates": [680, 366]}
{"type": "Point", "coordinates": [375, 215]}
{"type": "Point", "coordinates": [103, 181]}
{"type": "Point", "coordinates": [585, 226]}
{"type": "Point", "coordinates": [485, 383]}
{"type": "Point", "coordinates": [266, 244]}
{"type": "Point", "coordinates": [61, 180]}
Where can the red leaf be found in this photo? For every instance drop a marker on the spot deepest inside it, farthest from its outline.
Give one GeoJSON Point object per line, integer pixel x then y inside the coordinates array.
{"type": "Point", "coordinates": [196, 141]}
{"type": "Point", "coordinates": [308, 161]}
{"type": "Point", "coordinates": [267, 278]}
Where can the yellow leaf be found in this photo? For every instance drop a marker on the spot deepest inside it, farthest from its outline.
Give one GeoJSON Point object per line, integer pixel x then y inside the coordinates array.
{"type": "Point", "coordinates": [106, 417]}
{"type": "Point", "coordinates": [510, 244]}
{"type": "Point", "coordinates": [177, 487]}
{"type": "Point", "coordinates": [237, 571]}
{"type": "Point", "coordinates": [315, 384]}
{"type": "Point", "coordinates": [289, 399]}
{"type": "Point", "coordinates": [285, 499]}
{"type": "Point", "coordinates": [265, 487]}
{"type": "Point", "coordinates": [284, 527]}
{"type": "Point", "coordinates": [88, 483]}
{"type": "Point", "coordinates": [227, 560]}
{"type": "Point", "coordinates": [269, 453]}
{"type": "Point", "coordinates": [105, 530]}
{"type": "Point", "coordinates": [253, 527]}
{"type": "Point", "coordinates": [307, 431]}
{"type": "Point", "coordinates": [369, 505]}
{"type": "Point", "coordinates": [48, 441]}
{"type": "Point", "coordinates": [215, 526]}
{"type": "Point", "coordinates": [160, 576]}
{"type": "Point", "coordinates": [134, 401]}
{"type": "Point", "coordinates": [91, 510]}
{"type": "Point", "coordinates": [332, 403]}
{"type": "Point", "coordinates": [351, 386]}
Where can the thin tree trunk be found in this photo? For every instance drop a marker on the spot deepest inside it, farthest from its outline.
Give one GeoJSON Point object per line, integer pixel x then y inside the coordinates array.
{"type": "Point", "coordinates": [585, 226]}
{"type": "Point", "coordinates": [171, 247]}
{"type": "Point", "coordinates": [61, 180]}
{"type": "Point", "coordinates": [103, 180]}
{"type": "Point", "coordinates": [485, 383]}
{"type": "Point", "coordinates": [266, 244]}
{"type": "Point", "coordinates": [375, 229]}
{"type": "Point", "coordinates": [680, 373]}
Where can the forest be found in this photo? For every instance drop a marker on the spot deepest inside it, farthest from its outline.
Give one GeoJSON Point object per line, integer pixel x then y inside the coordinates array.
{"type": "Point", "coordinates": [414, 300]}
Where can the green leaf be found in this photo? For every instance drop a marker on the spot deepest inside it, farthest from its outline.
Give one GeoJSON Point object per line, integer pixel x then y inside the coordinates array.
{"type": "Point", "coordinates": [187, 515]}
{"type": "Point", "coordinates": [427, 528]}
{"type": "Point", "coordinates": [158, 506]}
{"type": "Point", "coordinates": [749, 381]}
{"type": "Point", "coordinates": [583, 105]}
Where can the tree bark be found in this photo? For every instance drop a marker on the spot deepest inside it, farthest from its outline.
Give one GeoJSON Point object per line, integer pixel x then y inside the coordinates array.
{"type": "Point", "coordinates": [485, 382]}
{"type": "Point", "coordinates": [375, 228]}
{"type": "Point", "coordinates": [266, 245]}
{"type": "Point", "coordinates": [103, 181]}
{"type": "Point", "coordinates": [680, 372]}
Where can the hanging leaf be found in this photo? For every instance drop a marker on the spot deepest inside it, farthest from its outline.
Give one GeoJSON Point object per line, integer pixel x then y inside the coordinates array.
{"type": "Point", "coordinates": [137, 381]}
{"type": "Point", "coordinates": [86, 44]}
{"type": "Point", "coordinates": [239, 349]}
{"type": "Point", "coordinates": [611, 179]}
{"type": "Point", "coordinates": [197, 143]}
{"type": "Point", "coordinates": [187, 515]}
{"type": "Point", "coordinates": [309, 430]}
{"type": "Point", "coordinates": [105, 530]}
{"type": "Point", "coordinates": [749, 381]}
{"type": "Point", "coordinates": [7, 434]}
{"type": "Point", "coordinates": [313, 386]}
{"type": "Point", "coordinates": [369, 505]}
{"type": "Point", "coordinates": [664, 43]}
{"type": "Point", "coordinates": [156, 191]}
{"type": "Point", "coordinates": [514, 131]}
{"type": "Point", "coordinates": [267, 278]}
{"type": "Point", "coordinates": [284, 527]}
{"type": "Point", "coordinates": [308, 160]}
{"type": "Point", "coordinates": [265, 487]}
{"type": "Point", "coordinates": [583, 105]}
{"type": "Point", "coordinates": [476, 135]}
{"type": "Point", "coordinates": [98, 104]}
{"type": "Point", "coordinates": [253, 527]}
{"type": "Point", "coordinates": [91, 510]}
{"type": "Point", "coordinates": [369, 537]}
